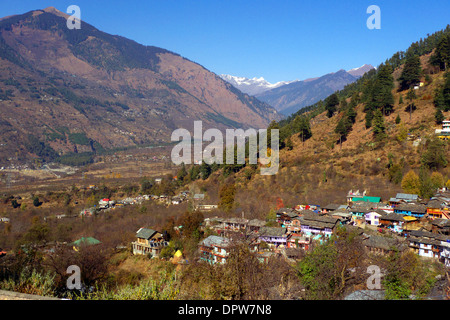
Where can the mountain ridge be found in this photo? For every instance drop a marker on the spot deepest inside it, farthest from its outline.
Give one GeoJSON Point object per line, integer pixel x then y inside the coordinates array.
{"type": "Point", "coordinates": [112, 90]}
{"type": "Point", "coordinates": [288, 97]}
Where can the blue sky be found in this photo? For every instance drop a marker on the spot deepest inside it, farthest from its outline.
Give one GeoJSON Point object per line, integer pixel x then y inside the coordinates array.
{"type": "Point", "coordinates": [278, 40]}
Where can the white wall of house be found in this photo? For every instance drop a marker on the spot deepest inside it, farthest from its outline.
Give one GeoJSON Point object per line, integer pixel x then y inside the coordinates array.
{"type": "Point", "coordinates": [425, 250]}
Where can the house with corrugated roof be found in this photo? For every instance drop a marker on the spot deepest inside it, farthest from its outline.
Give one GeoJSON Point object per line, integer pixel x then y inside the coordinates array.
{"type": "Point", "coordinates": [148, 241]}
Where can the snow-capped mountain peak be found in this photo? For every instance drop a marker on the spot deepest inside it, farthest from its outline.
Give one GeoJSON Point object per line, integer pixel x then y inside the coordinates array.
{"type": "Point", "coordinates": [358, 72]}
{"type": "Point", "coordinates": [252, 86]}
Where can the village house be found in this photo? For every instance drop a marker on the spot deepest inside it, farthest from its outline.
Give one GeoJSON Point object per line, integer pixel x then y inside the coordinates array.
{"type": "Point", "coordinates": [285, 216]}
{"type": "Point", "coordinates": [437, 209]}
{"type": "Point", "coordinates": [410, 209]}
{"type": "Point", "coordinates": [331, 207]}
{"type": "Point", "coordinates": [206, 207]}
{"type": "Point", "coordinates": [314, 224]}
{"type": "Point", "coordinates": [344, 217]}
{"type": "Point", "coordinates": [273, 236]}
{"type": "Point", "coordinates": [354, 195]}
{"type": "Point", "coordinates": [214, 249]}
{"type": "Point", "coordinates": [445, 254]}
{"type": "Point", "coordinates": [426, 244]}
{"type": "Point", "coordinates": [411, 223]}
{"type": "Point", "coordinates": [383, 245]}
{"type": "Point", "coordinates": [298, 242]}
{"type": "Point", "coordinates": [88, 212]}
{"type": "Point", "coordinates": [444, 133]}
{"type": "Point", "coordinates": [295, 226]}
{"type": "Point", "coordinates": [392, 221]}
{"type": "Point", "coordinates": [403, 198]}
{"type": "Point", "coordinates": [372, 217]}
{"type": "Point", "coordinates": [148, 241]}
{"type": "Point", "coordinates": [106, 203]}
{"type": "Point", "coordinates": [234, 224]}
{"type": "Point", "coordinates": [441, 226]}
{"type": "Point", "coordinates": [358, 214]}
{"type": "Point", "coordinates": [255, 225]}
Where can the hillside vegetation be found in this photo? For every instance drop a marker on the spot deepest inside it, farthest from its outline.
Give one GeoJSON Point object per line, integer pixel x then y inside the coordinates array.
{"type": "Point", "coordinates": [367, 136]}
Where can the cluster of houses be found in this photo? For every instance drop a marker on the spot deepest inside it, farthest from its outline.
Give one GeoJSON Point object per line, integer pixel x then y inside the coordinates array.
{"type": "Point", "coordinates": [109, 204]}
{"type": "Point", "coordinates": [405, 222]}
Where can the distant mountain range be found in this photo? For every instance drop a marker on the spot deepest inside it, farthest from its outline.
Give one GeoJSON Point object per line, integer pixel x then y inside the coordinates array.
{"type": "Point", "coordinates": [252, 86]}
{"type": "Point", "coordinates": [65, 91]}
{"type": "Point", "coordinates": [288, 97]}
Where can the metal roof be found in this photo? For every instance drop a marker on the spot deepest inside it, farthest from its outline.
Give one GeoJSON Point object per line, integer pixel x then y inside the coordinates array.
{"type": "Point", "coordinates": [407, 196]}
{"type": "Point", "coordinates": [144, 233]}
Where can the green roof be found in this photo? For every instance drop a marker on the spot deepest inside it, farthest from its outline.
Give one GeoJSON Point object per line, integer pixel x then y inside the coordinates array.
{"type": "Point", "coordinates": [367, 199]}
{"type": "Point", "coordinates": [86, 241]}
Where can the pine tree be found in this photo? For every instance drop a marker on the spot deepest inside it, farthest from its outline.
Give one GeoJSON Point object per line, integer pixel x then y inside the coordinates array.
{"type": "Point", "coordinates": [379, 127]}
{"type": "Point", "coordinates": [369, 118]}
{"type": "Point", "coordinates": [351, 113]}
{"type": "Point", "coordinates": [331, 104]}
{"type": "Point", "coordinates": [411, 73]}
{"type": "Point", "coordinates": [343, 127]}
{"type": "Point", "coordinates": [441, 57]}
{"type": "Point", "coordinates": [303, 127]}
{"type": "Point", "coordinates": [439, 117]}
{"type": "Point", "coordinates": [400, 100]}
{"type": "Point", "coordinates": [398, 119]}
{"type": "Point", "coordinates": [411, 95]}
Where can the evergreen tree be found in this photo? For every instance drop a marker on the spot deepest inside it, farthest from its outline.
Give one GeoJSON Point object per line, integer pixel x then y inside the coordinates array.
{"type": "Point", "coordinates": [379, 127]}
{"type": "Point", "coordinates": [441, 57]}
{"type": "Point", "coordinates": [411, 73]}
{"type": "Point", "coordinates": [303, 127]}
{"type": "Point", "coordinates": [439, 117]}
{"type": "Point", "coordinates": [400, 100]}
{"type": "Point", "coordinates": [351, 113]}
{"type": "Point", "coordinates": [205, 170]}
{"type": "Point", "coordinates": [343, 128]}
{"type": "Point", "coordinates": [182, 173]}
{"type": "Point", "coordinates": [434, 157]}
{"type": "Point", "coordinates": [446, 92]}
{"type": "Point", "coordinates": [411, 95]}
{"type": "Point", "coordinates": [398, 119]}
{"type": "Point", "coordinates": [369, 118]}
{"type": "Point", "coordinates": [439, 101]}
{"type": "Point", "coordinates": [331, 104]}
